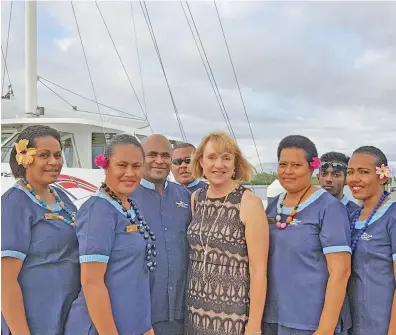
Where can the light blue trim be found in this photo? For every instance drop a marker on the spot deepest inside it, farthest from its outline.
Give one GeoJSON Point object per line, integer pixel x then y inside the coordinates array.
{"type": "Point", "coordinates": [337, 248]}
{"type": "Point", "coordinates": [287, 210]}
{"type": "Point", "coordinates": [377, 216]}
{"type": "Point", "coordinates": [194, 183]}
{"type": "Point", "coordinates": [94, 258]}
{"type": "Point", "coordinates": [148, 184]}
{"type": "Point", "coordinates": [55, 207]}
{"type": "Point", "coordinates": [114, 203]}
{"type": "Point", "coordinates": [344, 200]}
{"type": "Point", "coordinates": [394, 257]}
{"type": "Point", "coordinates": [13, 254]}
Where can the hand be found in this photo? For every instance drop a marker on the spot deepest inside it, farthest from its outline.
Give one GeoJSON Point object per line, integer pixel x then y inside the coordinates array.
{"type": "Point", "coordinates": [252, 330]}
{"type": "Point", "coordinates": [150, 332]}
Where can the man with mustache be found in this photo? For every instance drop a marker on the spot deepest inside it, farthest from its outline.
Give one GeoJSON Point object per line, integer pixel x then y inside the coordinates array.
{"type": "Point", "coordinates": [166, 207]}
{"type": "Point", "coordinates": [332, 177]}
{"type": "Point", "coordinates": [181, 160]}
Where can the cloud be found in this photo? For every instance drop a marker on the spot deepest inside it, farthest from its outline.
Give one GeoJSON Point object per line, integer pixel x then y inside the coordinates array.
{"type": "Point", "coordinates": [326, 70]}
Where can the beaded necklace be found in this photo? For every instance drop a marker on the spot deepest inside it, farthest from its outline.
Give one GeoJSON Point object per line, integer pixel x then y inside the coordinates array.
{"type": "Point", "coordinates": [368, 220]}
{"type": "Point", "coordinates": [283, 225]}
{"type": "Point", "coordinates": [142, 227]}
{"type": "Point", "coordinates": [46, 206]}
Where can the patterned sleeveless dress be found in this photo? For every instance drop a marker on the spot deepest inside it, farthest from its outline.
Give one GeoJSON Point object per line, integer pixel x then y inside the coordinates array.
{"type": "Point", "coordinates": [217, 299]}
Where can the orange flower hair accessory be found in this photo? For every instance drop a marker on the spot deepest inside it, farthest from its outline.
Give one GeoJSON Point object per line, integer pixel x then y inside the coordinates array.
{"type": "Point", "coordinates": [24, 154]}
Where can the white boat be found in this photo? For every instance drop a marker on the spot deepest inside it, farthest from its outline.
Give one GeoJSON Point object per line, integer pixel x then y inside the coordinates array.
{"type": "Point", "coordinates": [83, 135]}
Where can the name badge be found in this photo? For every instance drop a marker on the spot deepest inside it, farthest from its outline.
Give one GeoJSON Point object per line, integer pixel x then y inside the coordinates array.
{"type": "Point", "coordinates": [51, 216]}
{"type": "Point", "coordinates": [131, 228]}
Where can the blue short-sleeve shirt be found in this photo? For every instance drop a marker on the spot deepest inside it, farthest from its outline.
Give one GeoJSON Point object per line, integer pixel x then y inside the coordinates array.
{"type": "Point", "coordinates": [372, 284]}
{"type": "Point", "coordinates": [297, 267]}
{"type": "Point", "coordinates": [349, 204]}
{"type": "Point", "coordinates": [50, 274]}
{"type": "Point", "coordinates": [168, 215]}
{"type": "Point", "coordinates": [103, 236]}
{"type": "Point", "coordinates": [195, 185]}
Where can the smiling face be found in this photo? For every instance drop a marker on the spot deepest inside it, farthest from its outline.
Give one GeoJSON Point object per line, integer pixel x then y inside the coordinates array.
{"type": "Point", "coordinates": [332, 180]}
{"type": "Point", "coordinates": [294, 173]}
{"type": "Point", "coordinates": [218, 165]}
{"type": "Point", "coordinates": [125, 169]}
{"type": "Point", "coordinates": [362, 178]}
{"type": "Point", "coordinates": [181, 172]}
{"type": "Point", "coordinates": [47, 163]}
{"type": "Point", "coordinates": [158, 159]}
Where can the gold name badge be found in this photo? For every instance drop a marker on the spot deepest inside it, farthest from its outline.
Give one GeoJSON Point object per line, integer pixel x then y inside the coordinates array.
{"type": "Point", "coordinates": [51, 216]}
{"type": "Point", "coordinates": [131, 228]}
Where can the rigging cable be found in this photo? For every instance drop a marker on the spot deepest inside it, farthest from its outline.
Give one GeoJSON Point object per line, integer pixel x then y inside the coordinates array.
{"type": "Point", "coordinates": [140, 66]}
{"type": "Point", "coordinates": [119, 57]}
{"type": "Point", "coordinates": [219, 98]}
{"type": "Point", "coordinates": [89, 72]}
{"type": "Point", "coordinates": [132, 116]}
{"type": "Point", "coordinates": [150, 27]}
{"type": "Point", "coordinates": [239, 89]}
{"type": "Point", "coordinates": [80, 110]}
{"type": "Point", "coordinates": [6, 53]}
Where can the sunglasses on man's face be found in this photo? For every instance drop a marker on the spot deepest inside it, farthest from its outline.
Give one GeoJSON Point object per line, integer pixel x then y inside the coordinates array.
{"type": "Point", "coordinates": [336, 166]}
{"type": "Point", "coordinates": [179, 161]}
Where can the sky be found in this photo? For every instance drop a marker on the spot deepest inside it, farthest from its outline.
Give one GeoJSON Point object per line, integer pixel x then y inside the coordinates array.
{"type": "Point", "coordinates": [325, 70]}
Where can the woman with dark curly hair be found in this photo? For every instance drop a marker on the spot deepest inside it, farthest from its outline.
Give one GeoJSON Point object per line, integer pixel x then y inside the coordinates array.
{"type": "Point", "coordinates": [373, 227]}
{"type": "Point", "coordinates": [310, 255]}
{"type": "Point", "coordinates": [40, 272]}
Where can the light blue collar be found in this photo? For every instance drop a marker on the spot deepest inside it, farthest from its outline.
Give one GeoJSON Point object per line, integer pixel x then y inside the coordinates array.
{"type": "Point", "coordinates": [55, 207]}
{"type": "Point", "coordinates": [151, 186]}
{"type": "Point", "coordinates": [344, 200]}
{"type": "Point", "coordinates": [377, 215]}
{"type": "Point", "coordinates": [287, 210]}
{"type": "Point", "coordinates": [192, 184]}
{"type": "Point", "coordinates": [114, 203]}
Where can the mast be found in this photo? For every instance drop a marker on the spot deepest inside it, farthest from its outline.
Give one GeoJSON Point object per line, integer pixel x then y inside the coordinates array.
{"type": "Point", "coordinates": [30, 58]}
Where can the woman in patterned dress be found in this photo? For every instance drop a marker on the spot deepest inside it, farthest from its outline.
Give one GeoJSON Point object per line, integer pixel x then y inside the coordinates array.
{"type": "Point", "coordinates": [228, 237]}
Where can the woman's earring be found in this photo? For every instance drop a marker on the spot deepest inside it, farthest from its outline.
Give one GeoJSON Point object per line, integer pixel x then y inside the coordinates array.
{"type": "Point", "coordinates": [233, 176]}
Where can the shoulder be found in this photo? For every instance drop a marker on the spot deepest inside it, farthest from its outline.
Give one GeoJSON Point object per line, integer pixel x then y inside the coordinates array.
{"type": "Point", "coordinates": [179, 189]}
{"type": "Point", "coordinates": [251, 202]}
{"type": "Point", "coordinates": [15, 197]}
{"type": "Point", "coordinates": [97, 205]}
{"type": "Point", "coordinates": [391, 212]}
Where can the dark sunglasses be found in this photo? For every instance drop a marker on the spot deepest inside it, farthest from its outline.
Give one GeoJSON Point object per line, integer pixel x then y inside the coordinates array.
{"type": "Point", "coordinates": [179, 161]}
{"type": "Point", "coordinates": [334, 165]}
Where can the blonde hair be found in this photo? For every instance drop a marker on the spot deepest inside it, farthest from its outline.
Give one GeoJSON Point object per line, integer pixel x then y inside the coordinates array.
{"type": "Point", "coordinates": [223, 142]}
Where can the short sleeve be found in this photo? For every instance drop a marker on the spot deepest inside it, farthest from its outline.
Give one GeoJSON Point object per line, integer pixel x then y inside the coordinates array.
{"type": "Point", "coordinates": [334, 231]}
{"type": "Point", "coordinates": [16, 226]}
{"type": "Point", "coordinates": [95, 228]}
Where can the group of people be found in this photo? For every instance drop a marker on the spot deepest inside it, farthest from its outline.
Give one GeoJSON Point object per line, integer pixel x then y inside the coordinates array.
{"type": "Point", "coordinates": [201, 255]}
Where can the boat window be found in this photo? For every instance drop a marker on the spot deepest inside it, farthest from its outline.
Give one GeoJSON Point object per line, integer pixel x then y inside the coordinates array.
{"type": "Point", "coordinates": [7, 147]}
{"type": "Point", "coordinates": [70, 153]}
{"type": "Point", "coordinates": [98, 145]}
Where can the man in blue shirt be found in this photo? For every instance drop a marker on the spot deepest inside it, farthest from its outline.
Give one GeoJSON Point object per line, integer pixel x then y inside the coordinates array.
{"type": "Point", "coordinates": [181, 160]}
{"type": "Point", "coordinates": [332, 176]}
{"type": "Point", "coordinates": [166, 207]}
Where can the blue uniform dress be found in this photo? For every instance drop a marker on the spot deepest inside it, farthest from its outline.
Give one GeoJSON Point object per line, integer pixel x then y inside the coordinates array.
{"type": "Point", "coordinates": [372, 284]}
{"type": "Point", "coordinates": [102, 233]}
{"type": "Point", "coordinates": [168, 215]}
{"type": "Point", "coordinates": [297, 267]}
{"type": "Point", "coordinates": [349, 204]}
{"type": "Point", "coordinates": [50, 274]}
